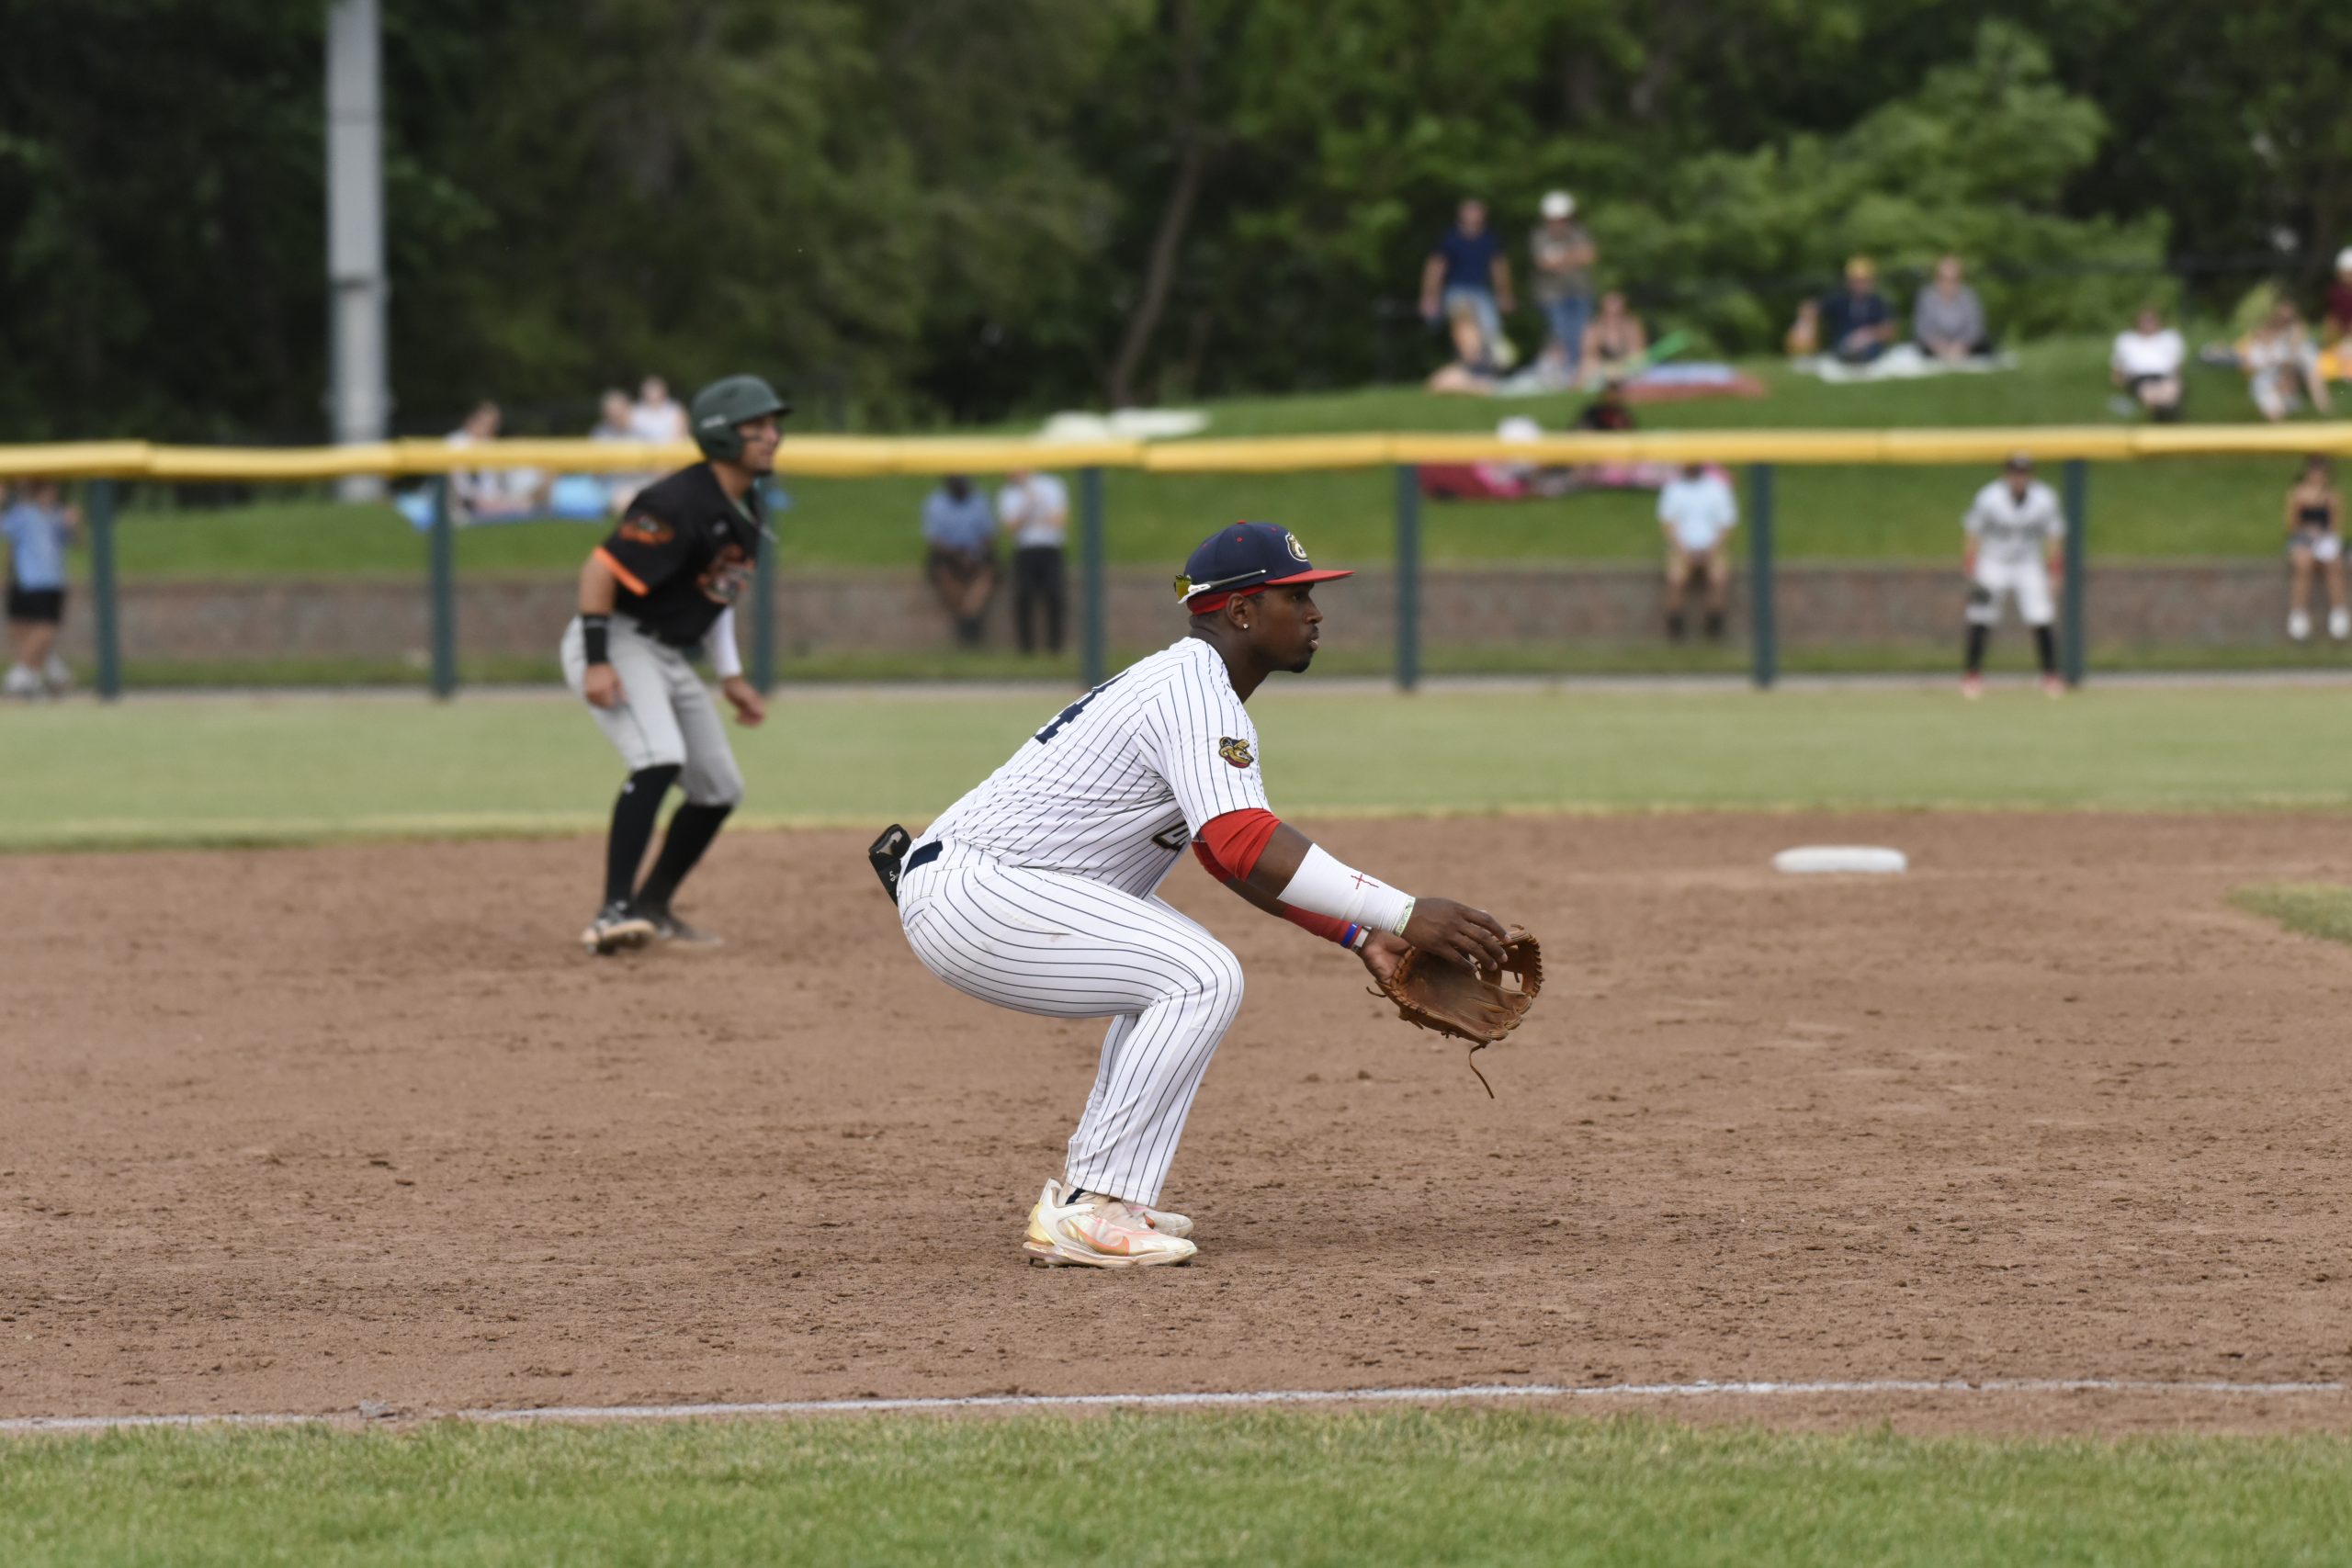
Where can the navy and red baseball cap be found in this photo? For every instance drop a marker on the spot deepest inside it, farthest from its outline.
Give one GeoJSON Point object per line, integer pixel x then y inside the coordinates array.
{"type": "Point", "coordinates": [1242, 559]}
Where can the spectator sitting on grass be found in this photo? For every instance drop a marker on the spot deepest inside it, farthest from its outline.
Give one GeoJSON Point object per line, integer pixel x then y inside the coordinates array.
{"type": "Point", "coordinates": [959, 537]}
{"type": "Point", "coordinates": [1467, 268]}
{"type": "Point", "coordinates": [2281, 367]}
{"type": "Point", "coordinates": [1857, 325]}
{"type": "Point", "coordinates": [1802, 340]}
{"type": "Point", "coordinates": [2145, 365]}
{"type": "Point", "coordinates": [1608, 410]}
{"type": "Point", "coordinates": [491, 494]}
{"type": "Point", "coordinates": [1614, 340]}
{"type": "Point", "coordinates": [1473, 370]}
{"type": "Point", "coordinates": [1947, 320]}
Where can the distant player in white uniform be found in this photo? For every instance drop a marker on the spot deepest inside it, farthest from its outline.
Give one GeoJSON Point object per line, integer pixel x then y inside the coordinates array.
{"type": "Point", "coordinates": [1697, 513]}
{"type": "Point", "coordinates": [1036, 890]}
{"type": "Point", "coordinates": [2015, 532]}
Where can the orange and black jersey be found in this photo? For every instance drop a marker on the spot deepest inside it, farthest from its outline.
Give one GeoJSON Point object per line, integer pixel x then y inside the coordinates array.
{"type": "Point", "coordinates": [681, 554]}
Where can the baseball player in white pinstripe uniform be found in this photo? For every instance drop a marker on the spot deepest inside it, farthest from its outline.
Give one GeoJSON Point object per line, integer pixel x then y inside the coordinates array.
{"type": "Point", "coordinates": [1036, 890]}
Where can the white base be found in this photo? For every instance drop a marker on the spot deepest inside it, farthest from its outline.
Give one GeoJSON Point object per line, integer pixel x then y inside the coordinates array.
{"type": "Point", "coordinates": [1813, 859]}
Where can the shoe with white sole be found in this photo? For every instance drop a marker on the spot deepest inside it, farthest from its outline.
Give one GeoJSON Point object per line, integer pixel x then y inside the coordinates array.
{"type": "Point", "coordinates": [616, 926]}
{"type": "Point", "coordinates": [2299, 626]}
{"type": "Point", "coordinates": [1097, 1232]}
{"type": "Point", "coordinates": [2339, 623]}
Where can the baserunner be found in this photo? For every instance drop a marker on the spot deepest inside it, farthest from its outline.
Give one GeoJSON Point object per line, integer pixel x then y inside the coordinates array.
{"type": "Point", "coordinates": [664, 583]}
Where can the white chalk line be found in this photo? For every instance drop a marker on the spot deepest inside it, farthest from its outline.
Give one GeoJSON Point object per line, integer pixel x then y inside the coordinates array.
{"type": "Point", "coordinates": [1239, 1399]}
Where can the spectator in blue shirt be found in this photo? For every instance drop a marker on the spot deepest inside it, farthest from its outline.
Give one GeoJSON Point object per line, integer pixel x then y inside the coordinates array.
{"type": "Point", "coordinates": [959, 536]}
{"type": "Point", "coordinates": [1469, 271]}
{"type": "Point", "coordinates": [1858, 324]}
{"type": "Point", "coordinates": [37, 529]}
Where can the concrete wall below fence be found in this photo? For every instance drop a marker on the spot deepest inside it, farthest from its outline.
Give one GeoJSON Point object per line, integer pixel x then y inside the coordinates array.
{"type": "Point", "coordinates": [2232, 604]}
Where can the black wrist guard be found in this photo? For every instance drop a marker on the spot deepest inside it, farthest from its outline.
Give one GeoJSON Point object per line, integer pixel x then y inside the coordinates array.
{"type": "Point", "coordinates": [595, 639]}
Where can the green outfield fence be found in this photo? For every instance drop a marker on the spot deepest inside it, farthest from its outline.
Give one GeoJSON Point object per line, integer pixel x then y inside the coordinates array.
{"type": "Point", "coordinates": [104, 465]}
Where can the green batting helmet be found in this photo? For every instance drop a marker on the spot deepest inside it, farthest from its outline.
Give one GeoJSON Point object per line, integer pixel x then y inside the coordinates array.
{"type": "Point", "coordinates": [727, 404]}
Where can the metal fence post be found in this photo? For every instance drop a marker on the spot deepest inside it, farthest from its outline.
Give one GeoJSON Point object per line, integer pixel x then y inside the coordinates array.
{"type": "Point", "coordinates": [1409, 576]}
{"type": "Point", "coordinates": [1766, 667]}
{"type": "Point", "coordinates": [763, 615]}
{"type": "Point", "coordinates": [103, 591]}
{"type": "Point", "coordinates": [441, 590]}
{"type": "Point", "coordinates": [1093, 660]}
{"type": "Point", "coordinates": [2073, 654]}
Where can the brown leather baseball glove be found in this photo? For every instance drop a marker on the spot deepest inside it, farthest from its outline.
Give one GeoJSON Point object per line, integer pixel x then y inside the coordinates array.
{"type": "Point", "coordinates": [1469, 1004]}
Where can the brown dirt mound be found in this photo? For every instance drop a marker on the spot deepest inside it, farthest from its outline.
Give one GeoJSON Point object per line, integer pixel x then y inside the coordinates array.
{"type": "Point", "coordinates": [291, 1130]}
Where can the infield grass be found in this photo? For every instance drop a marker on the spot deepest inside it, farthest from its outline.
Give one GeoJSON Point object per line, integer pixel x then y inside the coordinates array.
{"type": "Point", "coordinates": [221, 770]}
{"type": "Point", "coordinates": [1297, 1488]}
{"type": "Point", "coordinates": [2313, 909]}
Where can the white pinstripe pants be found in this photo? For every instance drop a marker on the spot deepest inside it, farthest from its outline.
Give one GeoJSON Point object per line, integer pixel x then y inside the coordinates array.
{"type": "Point", "coordinates": [1046, 942]}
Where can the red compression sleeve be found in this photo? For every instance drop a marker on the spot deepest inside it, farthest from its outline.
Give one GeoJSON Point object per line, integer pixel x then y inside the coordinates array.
{"type": "Point", "coordinates": [1239, 838]}
{"type": "Point", "coordinates": [1251, 830]}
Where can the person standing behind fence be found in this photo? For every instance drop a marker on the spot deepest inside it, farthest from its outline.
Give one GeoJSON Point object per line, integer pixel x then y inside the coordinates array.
{"type": "Point", "coordinates": [37, 529]}
{"type": "Point", "coordinates": [615, 423]}
{"type": "Point", "coordinates": [960, 554]}
{"type": "Point", "coordinates": [1562, 254]}
{"type": "Point", "coordinates": [656, 416]}
{"type": "Point", "coordinates": [1697, 513]}
{"type": "Point", "coordinates": [2015, 531]}
{"type": "Point", "coordinates": [2315, 545]}
{"type": "Point", "coordinates": [667, 581]}
{"type": "Point", "coordinates": [1467, 270]}
{"type": "Point", "coordinates": [1034, 509]}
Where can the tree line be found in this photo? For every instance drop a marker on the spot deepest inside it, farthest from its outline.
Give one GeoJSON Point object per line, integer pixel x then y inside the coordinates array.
{"type": "Point", "coordinates": [915, 211]}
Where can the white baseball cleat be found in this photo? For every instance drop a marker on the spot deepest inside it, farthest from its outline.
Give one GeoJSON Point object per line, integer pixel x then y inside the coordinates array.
{"type": "Point", "coordinates": [2339, 623]}
{"type": "Point", "coordinates": [2299, 626]}
{"type": "Point", "coordinates": [1098, 1232]}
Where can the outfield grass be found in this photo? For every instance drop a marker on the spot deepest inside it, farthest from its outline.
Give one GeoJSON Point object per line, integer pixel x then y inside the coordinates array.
{"type": "Point", "coordinates": [2187, 507]}
{"type": "Point", "coordinates": [2313, 909]}
{"type": "Point", "coordinates": [1297, 1488]}
{"type": "Point", "coordinates": [291, 770]}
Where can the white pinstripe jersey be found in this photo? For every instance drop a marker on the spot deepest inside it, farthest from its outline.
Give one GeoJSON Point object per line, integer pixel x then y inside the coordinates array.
{"type": "Point", "coordinates": [1115, 786]}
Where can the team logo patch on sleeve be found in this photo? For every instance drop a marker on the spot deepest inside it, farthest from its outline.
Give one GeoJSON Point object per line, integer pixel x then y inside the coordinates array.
{"type": "Point", "coordinates": [644, 529]}
{"type": "Point", "coordinates": [1234, 751]}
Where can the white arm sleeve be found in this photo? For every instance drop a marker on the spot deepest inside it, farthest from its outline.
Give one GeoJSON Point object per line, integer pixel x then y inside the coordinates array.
{"type": "Point", "coordinates": [719, 642]}
{"type": "Point", "coordinates": [1323, 886]}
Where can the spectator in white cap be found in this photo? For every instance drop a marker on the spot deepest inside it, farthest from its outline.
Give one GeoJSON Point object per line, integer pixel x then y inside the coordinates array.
{"type": "Point", "coordinates": [1563, 255]}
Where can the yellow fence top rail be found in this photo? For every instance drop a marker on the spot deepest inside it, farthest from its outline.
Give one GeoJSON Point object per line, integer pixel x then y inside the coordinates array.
{"type": "Point", "coordinates": [860, 455]}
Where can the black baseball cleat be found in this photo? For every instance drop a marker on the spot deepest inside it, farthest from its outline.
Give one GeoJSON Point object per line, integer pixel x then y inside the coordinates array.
{"type": "Point", "coordinates": [616, 926]}
{"type": "Point", "coordinates": [667, 927]}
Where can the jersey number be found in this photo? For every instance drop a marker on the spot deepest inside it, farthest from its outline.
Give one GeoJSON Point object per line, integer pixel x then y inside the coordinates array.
{"type": "Point", "coordinates": [1072, 711]}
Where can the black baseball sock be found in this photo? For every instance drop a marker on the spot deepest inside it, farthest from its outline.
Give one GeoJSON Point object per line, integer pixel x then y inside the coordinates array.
{"type": "Point", "coordinates": [634, 814]}
{"type": "Point", "coordinates": [2045, 643]}
{"type": "Point", "coordinates": [1977, 637]}
{"type": "Point", "coordinates": [691, 827]}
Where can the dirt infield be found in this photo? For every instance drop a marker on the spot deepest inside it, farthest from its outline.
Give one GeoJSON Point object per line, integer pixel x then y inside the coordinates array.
{"type": "Point", "coordinates": [296, 1130]}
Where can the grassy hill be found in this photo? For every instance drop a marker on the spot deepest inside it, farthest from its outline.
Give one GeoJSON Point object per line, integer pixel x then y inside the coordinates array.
{"type": "Point", "coordinates": [2179, 508]}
